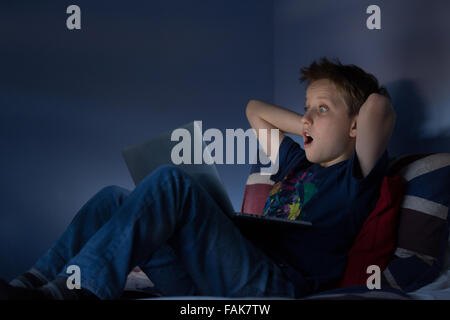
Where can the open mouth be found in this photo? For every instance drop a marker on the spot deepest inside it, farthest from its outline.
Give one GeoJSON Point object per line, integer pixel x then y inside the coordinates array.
{"type": "Point", "coordinates": [307, 139]}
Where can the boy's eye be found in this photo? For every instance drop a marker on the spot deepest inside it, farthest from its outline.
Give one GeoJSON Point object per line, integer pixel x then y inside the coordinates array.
{"type": "Point", "coordinates": [321, 108]}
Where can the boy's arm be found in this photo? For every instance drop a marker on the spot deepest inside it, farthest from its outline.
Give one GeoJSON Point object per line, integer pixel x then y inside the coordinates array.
{"type": "Point", "coordinates": [374, 125]}
{"type": "Point", "coordinates": [263, 115]}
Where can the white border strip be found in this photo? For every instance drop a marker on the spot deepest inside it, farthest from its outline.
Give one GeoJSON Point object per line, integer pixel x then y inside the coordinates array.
{"type": "Point", "coordinates": [405, 253]}
{"type": "Point", "coordinates": [390, 279]}
{"type": "Point", "coordinates": [426, 206]}
{"type": "Point", "coordinates": [425, 165]}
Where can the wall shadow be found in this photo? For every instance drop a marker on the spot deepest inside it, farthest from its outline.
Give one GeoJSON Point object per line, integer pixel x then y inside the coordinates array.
{"type": "Point", "coordinates": [411, 110]}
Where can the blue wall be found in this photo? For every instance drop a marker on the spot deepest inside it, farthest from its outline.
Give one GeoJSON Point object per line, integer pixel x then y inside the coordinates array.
{"type": "Point", "coordinates": [71, 100]}
{"type": "Point", "coordinates": [409, 55]}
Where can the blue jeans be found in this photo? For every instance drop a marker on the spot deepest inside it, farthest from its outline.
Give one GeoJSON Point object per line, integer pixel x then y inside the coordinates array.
{"type": "Point", "coordinates": [171, 228]}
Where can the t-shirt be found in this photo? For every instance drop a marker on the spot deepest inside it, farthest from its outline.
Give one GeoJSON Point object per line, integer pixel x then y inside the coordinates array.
{"type": "Point", "coordinates": [335, 199]}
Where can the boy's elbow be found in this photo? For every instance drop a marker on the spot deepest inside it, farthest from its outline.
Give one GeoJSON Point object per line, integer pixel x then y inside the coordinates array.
{"type": "Point", "coordinates": [381, 108]}
{"type": "Point", "coordinates": [250, 107]}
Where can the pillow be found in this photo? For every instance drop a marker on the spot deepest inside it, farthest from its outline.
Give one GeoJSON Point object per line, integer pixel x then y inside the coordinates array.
{"type": "Point", "coordinates": [257, 189]}
{"type": "Point", "coordinates": [376, 242]}
{"type": "Point", "coordinates": [423, 223]}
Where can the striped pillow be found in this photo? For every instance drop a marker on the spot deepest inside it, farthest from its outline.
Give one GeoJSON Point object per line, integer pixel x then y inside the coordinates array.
{"type": "Point", "coordinates": [424, 220]}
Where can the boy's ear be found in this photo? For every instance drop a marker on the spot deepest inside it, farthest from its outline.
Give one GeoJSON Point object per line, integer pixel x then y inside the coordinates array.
{"type": "Point", "coordinates": [353, 128]}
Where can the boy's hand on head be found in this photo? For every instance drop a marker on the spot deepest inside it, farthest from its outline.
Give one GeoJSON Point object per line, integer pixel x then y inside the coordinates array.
{"type": "Point", "coordinates": [375, 124]}
{"type": "Point", "coordinates": [267, 116]}
{"type": "Point", "coordinates": [376, 99]}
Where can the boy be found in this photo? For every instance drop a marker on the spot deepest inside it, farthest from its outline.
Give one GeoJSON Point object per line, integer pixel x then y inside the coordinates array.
{"type": "Point", "coordinates": [334, 181]}
{"type": "Point", "coordinates": [176, 233]}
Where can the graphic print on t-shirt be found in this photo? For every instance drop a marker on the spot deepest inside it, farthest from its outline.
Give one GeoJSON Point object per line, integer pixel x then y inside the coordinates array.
{"type": "Point", "coordinates": [289, 196]}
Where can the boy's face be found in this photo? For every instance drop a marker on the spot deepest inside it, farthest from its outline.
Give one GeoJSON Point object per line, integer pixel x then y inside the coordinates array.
{"type": "Point", "coordinates": [326, 120]}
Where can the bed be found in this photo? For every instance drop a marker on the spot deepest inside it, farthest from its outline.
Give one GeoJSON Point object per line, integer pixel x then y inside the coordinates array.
{"type": "Point", "coordinates": [418, 266]}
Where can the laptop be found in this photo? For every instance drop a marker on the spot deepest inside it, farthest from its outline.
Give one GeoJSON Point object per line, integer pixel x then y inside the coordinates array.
{"type": "Point", "coordinates": [143, 158]}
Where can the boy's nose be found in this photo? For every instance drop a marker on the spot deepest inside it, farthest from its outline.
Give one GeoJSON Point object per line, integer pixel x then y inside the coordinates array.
{"type": "Point", "coordinates": [306, 119]}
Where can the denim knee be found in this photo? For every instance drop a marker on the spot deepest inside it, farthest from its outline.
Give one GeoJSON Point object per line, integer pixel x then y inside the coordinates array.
{"type": "Point", "coordinates": [168, 173]}
{"type": "Point", "coordinates": [169, 170]}
{"type": "Point", "coordinates": [172, 179]}
{"type": "Point", "coordinates": [105, 201]}
{"type": "Point", "coordinates": [113, 194]}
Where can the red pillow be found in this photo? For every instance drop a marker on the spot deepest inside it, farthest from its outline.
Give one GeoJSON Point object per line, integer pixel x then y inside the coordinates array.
{"type": "Point", "coordinates": [257, 189]}
{"type": "Point", "coordinates": [376, 242]}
